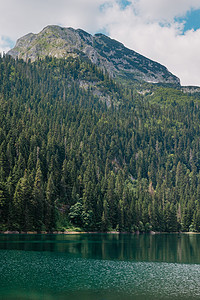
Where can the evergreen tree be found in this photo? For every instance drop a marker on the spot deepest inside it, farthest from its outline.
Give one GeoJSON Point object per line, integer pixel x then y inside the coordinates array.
{"type": "Point", "coordinates": [50, 205]}
{"type": "Point", "coordinates": [102, 157]}
{"type": "Point", "coordinates": [21, 202]}
{"type": "Point", "coordinates": [38, 200]}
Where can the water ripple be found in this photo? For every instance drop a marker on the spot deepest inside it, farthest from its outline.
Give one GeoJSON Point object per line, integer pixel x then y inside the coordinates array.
{"type": "Point", "coordinates": [60, 274]}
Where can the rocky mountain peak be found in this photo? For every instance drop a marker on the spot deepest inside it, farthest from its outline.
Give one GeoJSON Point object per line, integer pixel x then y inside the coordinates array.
{"type": "Point", "coordinates": [103, 51]}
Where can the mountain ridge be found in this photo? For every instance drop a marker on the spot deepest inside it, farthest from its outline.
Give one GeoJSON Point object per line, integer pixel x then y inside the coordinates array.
{"type": "Point", "coordinates": [106, 53]}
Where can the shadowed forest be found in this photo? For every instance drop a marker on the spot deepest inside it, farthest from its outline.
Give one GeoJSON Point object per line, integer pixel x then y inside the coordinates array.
{"type": "Point", "coordinates": [79, 150]}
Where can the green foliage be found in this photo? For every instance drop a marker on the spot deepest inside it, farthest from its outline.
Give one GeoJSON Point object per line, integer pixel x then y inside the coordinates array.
{"type": "Point", "coordinates": [76, 213]}
{"type": "Point", "coordinates": [77, 148]}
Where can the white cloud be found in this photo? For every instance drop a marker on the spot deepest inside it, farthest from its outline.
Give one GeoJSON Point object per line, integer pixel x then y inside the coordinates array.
{"type": "Point", "coordinates": [139, 27]}
{"type": "Point", "coordinates": [19, 17]}
{"type": "Point", "coordinates": [4, 45]}
{"type": "Point", "coordinates": [163, 9]}
{"type": "Point", "coordinates": [146, 26]}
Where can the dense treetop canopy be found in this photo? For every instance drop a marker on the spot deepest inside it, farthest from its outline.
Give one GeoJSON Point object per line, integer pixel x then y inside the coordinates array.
{"type": "Point", "coordinates": [78, 149]}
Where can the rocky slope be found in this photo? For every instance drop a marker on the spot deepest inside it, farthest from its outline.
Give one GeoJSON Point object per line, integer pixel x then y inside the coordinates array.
{"type": "Point", "coordinates": [103, 51]}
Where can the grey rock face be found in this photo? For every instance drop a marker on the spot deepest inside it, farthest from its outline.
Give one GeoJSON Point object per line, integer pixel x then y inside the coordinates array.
{"type": "Point", "coordinates": [103, 51]}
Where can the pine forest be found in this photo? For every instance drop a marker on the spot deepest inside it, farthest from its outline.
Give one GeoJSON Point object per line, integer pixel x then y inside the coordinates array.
{"type": "Point", "coordinates": [80, 150]}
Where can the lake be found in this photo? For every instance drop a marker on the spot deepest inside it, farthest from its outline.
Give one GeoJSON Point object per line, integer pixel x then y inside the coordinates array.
{"type": "Point", "coordinates": [100, 267]}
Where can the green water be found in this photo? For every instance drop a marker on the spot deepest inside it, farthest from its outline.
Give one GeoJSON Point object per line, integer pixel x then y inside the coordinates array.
{"type": "Point", "coordinates": [99, 267]}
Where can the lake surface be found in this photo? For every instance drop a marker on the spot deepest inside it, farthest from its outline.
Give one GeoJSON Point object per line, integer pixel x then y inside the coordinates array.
{"type": "Point", "coordinates": [99, 267]}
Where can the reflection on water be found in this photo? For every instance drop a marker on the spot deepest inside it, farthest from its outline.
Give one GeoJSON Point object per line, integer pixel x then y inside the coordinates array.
{"type": "Point", "coordinates": [179, 248]}
{"type": "Point", "coordinates": [99, 267]}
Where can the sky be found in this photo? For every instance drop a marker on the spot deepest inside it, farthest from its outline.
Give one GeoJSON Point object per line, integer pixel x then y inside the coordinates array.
{"type": "Point", "coordinates": [166, 31]}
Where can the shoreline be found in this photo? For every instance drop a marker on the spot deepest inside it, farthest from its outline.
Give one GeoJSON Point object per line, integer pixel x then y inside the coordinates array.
{"type": "Point", "coordinates": [92, 232]}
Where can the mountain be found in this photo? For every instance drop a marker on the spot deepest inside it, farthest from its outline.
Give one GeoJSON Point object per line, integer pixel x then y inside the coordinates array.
{"type": "Point", "coordinates": [79, 150]}
{"type": "Point", "coordinates": [108, 54]}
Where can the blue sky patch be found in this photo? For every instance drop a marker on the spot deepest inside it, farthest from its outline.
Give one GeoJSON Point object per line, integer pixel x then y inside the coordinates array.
{"type": "Point", "coordinates": [192, 20]}
{"type": "Point", "coordinates": [123, 3]}
{"type": "Point", "coordinates": [8, 42]}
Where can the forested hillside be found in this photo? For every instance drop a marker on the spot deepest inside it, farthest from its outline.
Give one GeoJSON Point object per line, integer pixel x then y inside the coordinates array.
{"type": "Point", "coordinates": [77, 149]}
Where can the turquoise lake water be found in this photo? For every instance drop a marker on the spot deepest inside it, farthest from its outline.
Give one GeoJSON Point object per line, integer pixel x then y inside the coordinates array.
{"type": "Point", "coordinates": [99, 267]}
